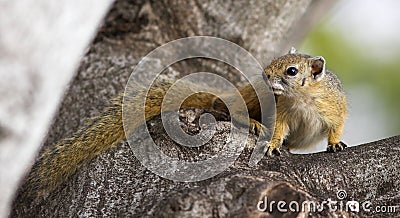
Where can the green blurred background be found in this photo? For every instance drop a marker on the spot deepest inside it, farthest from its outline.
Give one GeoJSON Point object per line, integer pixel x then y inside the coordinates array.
{"type": "Point", "coordinates": [361, 42]}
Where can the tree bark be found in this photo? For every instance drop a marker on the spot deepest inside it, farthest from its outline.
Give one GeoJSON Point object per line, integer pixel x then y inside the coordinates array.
{"type": "Point", "coordinates": [115, 183]}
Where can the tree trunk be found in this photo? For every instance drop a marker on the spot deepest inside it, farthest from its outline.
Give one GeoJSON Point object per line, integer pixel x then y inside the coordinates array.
{"type": "Point", "coordinates": [116, 183]}
{"type": "Point", "coordinates": [41, 43]}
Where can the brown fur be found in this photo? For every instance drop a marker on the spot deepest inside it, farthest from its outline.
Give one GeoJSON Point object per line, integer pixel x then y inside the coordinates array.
{"type": "Point", "coordinates": [312, 105]}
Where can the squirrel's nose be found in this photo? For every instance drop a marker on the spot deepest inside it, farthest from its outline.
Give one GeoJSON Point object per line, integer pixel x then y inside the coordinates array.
{"type": "Point", "coordinates": [276, 79]}
{"type": "Point", "coordinates": [266, 76]}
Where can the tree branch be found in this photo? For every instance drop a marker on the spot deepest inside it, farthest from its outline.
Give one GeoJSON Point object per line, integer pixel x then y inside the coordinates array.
{"type": "Point", "coordinates": [116, 183]}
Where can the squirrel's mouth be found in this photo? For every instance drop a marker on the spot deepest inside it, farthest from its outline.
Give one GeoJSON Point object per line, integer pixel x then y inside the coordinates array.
{"type": "Point", "coordinates": [277, 91]}
{"type": "Point", "coordinates": [277, 88]}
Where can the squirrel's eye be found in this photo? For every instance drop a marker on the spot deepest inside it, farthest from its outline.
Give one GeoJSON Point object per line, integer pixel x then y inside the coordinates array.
{"type": "Point", "coordinates": [291, 71]}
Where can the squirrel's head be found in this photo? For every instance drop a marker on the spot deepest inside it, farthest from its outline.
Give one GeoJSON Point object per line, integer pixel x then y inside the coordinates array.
{"type": "Point", "coordinates": [294, 72]}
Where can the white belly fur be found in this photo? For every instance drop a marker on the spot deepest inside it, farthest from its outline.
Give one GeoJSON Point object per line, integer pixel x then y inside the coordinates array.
{"type": "Point", "coordinates": [306, 127]}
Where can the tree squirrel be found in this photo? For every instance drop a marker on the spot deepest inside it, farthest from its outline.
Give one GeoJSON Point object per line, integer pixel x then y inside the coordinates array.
{"type": "Point", "coordinates": [310, 106]}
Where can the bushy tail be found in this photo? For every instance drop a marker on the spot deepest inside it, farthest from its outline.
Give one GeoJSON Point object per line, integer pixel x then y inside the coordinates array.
{"type": "Point", "coordinates": [60, 162]}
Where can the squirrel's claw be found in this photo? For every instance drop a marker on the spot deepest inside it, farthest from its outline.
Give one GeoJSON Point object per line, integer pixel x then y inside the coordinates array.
{"type": "Point", "coordinates": [260, 130]}
{"type": "Point", "coordinates": [336, 147]}
{"type": "Point", "coordinates": [257, 128]}
{"type": "Point", "coordinates": [273, 151]}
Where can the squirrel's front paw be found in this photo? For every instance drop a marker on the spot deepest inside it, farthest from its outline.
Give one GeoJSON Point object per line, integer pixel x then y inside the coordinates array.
{"type": "Point", "coordinates": [336, 147]}
{"type": "Point", "coordinates": [273, 150]}
{"type": "Point", "coordinates": [257, 128]}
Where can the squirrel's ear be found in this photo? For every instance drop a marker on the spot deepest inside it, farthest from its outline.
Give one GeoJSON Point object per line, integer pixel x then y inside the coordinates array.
{"type": "Point", "coordinates": [292, 50]}
{"type": "Point", "coordinates": [317, 65]}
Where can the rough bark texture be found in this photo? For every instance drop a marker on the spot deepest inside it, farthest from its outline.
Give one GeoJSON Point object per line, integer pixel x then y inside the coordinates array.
{"type": "Point", "coordinates": [115, 183]}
